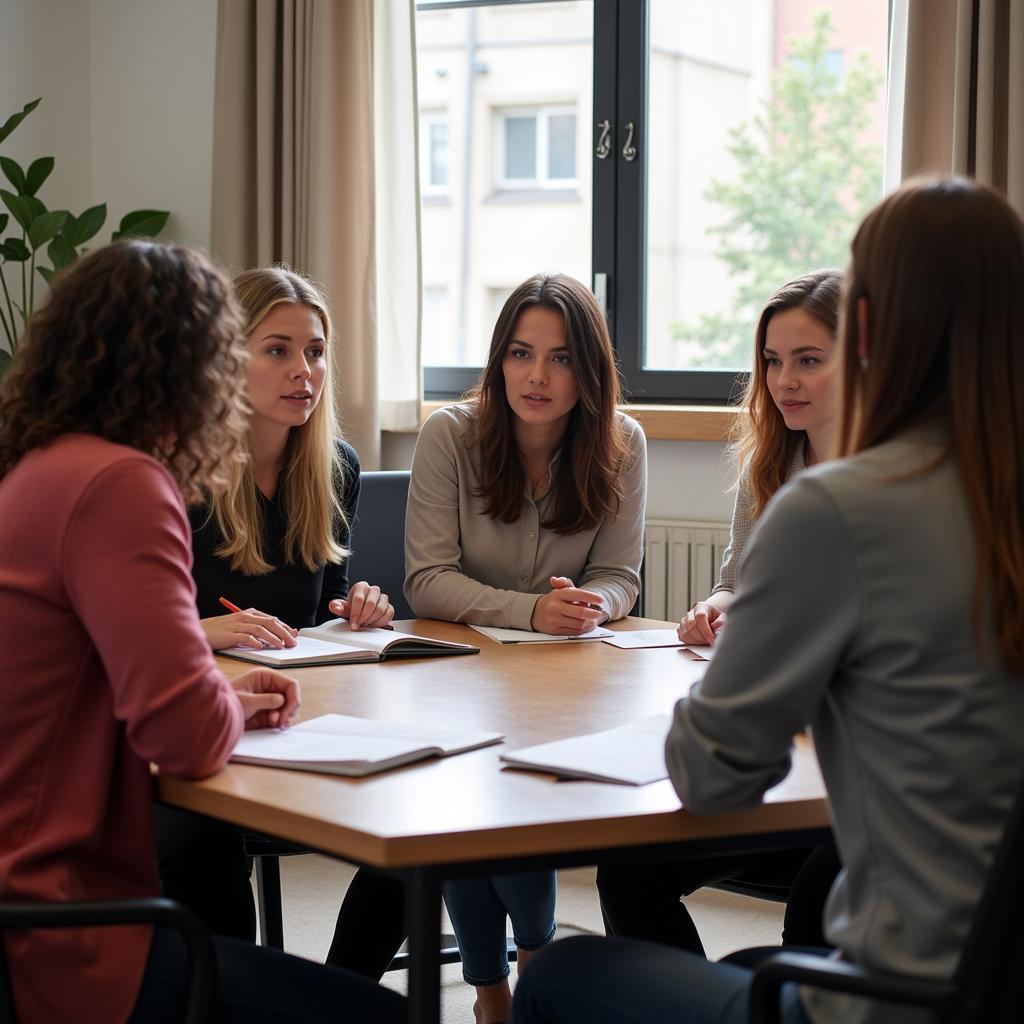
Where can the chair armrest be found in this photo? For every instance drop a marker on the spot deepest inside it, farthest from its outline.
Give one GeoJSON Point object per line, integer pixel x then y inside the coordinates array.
{"type": "Point", "coordinates": [838, 976]}
{"type": "Point", "coordinates": [164, 913]}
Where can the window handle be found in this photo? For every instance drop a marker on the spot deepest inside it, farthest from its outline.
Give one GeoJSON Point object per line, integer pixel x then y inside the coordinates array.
{"type": "Point", "coordinates": [604, 144]}
{"type": "Point", "coordinates": [629, 150]}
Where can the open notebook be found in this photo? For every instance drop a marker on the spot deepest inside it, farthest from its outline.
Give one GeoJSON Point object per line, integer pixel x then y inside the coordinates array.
{"type": "Point", "coordinates": [333, 643]}
{"type": "Point", "coordinates": [342, 745]}
{"type": "Point", "coordinates": [633, 754]}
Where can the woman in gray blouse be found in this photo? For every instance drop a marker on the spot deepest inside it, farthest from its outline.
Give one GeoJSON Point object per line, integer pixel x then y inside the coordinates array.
{"type": "Point", "coordinates": [526, 510]}
{"type": "Point", "coordinates": [896, 634]}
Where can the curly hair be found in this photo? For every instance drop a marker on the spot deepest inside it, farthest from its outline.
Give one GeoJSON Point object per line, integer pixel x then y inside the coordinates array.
{"type": "Point", "coordinates": [141, 344]}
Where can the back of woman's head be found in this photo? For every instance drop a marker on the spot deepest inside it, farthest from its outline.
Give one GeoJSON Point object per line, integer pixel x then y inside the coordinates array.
{"type": "Point", "coordinates": [586, 490]}
{"type": "Point", "coordinates": [139, 343]}
{"type": "Point", "coordinates": [939, 266]}
{"type": "Point", "coordinates": [764, 445]}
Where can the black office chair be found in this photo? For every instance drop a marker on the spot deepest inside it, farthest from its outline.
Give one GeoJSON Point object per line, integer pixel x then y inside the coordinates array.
{"type": "Point", "coordinates": [988, 986]}
{"type": "Point", "coordinates": [200, 970]}
{"type": "Point", "coordinates": [378, 536]}
{"type": "Point", "coordinates": [378, 555]}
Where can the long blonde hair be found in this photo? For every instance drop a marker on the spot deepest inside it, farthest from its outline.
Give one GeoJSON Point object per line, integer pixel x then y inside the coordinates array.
{"type": "Point", "coordinates": [314, 469]}
{"type": "Point", "coordinates": [764, 446]}
{"type": "Point", "coordinates": [941, 266]}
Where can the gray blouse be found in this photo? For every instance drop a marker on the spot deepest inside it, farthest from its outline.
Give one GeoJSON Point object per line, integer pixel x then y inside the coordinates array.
{"type": "Point", "coordinates": [463, 566]}
{"type": "Point", "coordinates": [855, 615]}
{"type": "Point", "coordinates": [743, 520]}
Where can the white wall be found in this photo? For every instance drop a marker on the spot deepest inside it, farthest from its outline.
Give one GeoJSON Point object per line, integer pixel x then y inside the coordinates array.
{"type": "Point", "coordinates": [127, 112]}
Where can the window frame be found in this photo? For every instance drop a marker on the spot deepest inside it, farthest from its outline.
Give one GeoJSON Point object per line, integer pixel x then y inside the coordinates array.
{"type": "Point", "coordinates": [619, 212]}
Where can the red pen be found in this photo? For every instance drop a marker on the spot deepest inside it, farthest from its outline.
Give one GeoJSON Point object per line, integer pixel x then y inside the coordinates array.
{"type": "Point", "coordinates": [229, 605]}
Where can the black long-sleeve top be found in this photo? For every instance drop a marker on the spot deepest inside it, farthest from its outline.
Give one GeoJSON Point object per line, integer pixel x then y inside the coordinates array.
{"type": "Point", "coordinates": [295, 595]}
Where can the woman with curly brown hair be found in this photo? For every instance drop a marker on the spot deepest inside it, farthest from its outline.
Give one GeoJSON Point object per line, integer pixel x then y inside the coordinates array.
{"type": "Point", "coordinates": [121, 401]}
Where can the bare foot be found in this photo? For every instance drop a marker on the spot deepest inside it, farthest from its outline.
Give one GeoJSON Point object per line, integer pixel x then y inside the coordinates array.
{"type": "Point", "coordinates": [493, 1003]}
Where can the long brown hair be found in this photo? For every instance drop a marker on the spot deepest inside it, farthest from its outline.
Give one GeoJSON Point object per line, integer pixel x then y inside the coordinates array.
{"type": "Point", "coordinates": [313, 473]}
{"type": "Point", "coordinates": [141, 344]}
{"type": "Point", "coordinates": [941, 266]}
{"type": "Point", "coordinates": [764, 446]}
{"type": "Point", "coordinates": [587, 487]}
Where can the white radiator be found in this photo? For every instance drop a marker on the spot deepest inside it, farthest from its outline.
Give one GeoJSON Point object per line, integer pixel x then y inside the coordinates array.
{"type": "Point", "coordinates": [681, 562]}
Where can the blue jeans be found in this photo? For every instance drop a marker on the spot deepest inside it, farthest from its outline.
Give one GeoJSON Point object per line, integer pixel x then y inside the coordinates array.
{"type": "Point", "coordinates": [625, 981]}
{"type": "Point", "coordinates": [478, 908]}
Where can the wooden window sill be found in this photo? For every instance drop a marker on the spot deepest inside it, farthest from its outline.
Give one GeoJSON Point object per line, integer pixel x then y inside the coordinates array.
{"type": "Point", "coordinates": [663, 422]}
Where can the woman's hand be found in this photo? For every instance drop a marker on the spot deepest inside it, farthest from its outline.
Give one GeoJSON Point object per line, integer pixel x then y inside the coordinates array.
{"type": "Point", "coordinates": [365, 607]}
{"type": "Point", "coordinates": [701, 624]}
{"type": "Point", "coordinates": [269, 699]}
{"type": "Point", "coordinates": [248, 628]}
{"type": "Point", "coordinates": [566, 610]}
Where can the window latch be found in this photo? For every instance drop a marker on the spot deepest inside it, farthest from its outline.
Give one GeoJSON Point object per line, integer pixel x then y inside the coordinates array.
{"type": "Point", "coordinates": [629, 150]}
{"type": "Point", "coordinates": [604, 145]}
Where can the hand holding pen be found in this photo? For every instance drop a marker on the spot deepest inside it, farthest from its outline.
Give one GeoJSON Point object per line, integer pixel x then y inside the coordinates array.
{"type": "Point", "coordinates": [566, 610]}
{"type": "Point", "coordinates": [246, 628]}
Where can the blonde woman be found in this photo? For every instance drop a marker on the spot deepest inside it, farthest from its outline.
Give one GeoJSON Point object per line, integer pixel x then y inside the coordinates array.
{"type": "Point", "coordinates": [274, 543]}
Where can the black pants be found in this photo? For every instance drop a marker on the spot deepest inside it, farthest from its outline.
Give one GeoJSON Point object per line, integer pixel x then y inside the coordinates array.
{"type": "Point", "coordinates": [203, 864]}
{"type": "Point", "coordinates": [255, 985]}
{"type": "Point", "coordinates": [643, 901]}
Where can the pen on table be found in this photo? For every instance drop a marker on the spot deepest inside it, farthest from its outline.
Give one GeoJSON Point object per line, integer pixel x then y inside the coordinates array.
{"type": "Point", "coordinates": [232, 607]}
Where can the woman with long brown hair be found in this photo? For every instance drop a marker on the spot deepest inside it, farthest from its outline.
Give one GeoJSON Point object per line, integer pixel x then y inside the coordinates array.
{"type": "Point", "coordinates": [895, 633]}
{"type": "Point", "coordinates": [121, 404]}
{"type": "Point", "coordinates": [526, 510]}
{"type": "Point", "coordinates": [789, 422]}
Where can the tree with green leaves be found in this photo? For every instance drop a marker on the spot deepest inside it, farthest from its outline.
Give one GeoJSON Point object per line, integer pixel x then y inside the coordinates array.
{"type": "Point", "coordinates": [804, 180]}
{"type": "Point", "coordinates": [62, 233]}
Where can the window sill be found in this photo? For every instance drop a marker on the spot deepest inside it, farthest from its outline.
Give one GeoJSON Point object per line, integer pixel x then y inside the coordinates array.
{"type": "Point", "coordinates": [663, 422]}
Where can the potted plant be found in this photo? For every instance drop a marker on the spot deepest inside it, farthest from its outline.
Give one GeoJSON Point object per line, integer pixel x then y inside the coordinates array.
{"type": "Point", "coordinates": [44, 241]}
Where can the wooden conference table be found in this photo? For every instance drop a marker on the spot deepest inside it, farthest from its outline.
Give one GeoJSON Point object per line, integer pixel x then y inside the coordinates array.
{"type": "Point", "coordinates": [466, 814]}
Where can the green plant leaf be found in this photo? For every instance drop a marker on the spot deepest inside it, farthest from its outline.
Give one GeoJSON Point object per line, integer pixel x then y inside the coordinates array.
{"type": "Point", "coordinates": [15, 119]}
{"type": "Point", "coordinates": [20, 207]}
{"type": "Point", "coordinates": [14, 174]}
{"type": "Point", "coordinates": [14, 249]}
{"type": "Point", "coordinates": [141, 224]}
{"type": "Point", "coordinates": [38, 171]}
{"type": "Point", "coordinates": [35, 206]}
{"type": "Point", "coordinates": [61, 252]}
{"type": "Point", "coordinates": [46, 274]}
{"type": "Point", "coordinates": [45, 227]}
{"type": "Point", "coordinates": [4, 218]}
{"type": "Point", "coordinates": [5, 361]}
{"type": "Point", "coordinates": [87, 224]}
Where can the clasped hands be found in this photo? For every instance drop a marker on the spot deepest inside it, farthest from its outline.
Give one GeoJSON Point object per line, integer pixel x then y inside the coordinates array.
{"type": "Point", "coordinates": [566, 610]}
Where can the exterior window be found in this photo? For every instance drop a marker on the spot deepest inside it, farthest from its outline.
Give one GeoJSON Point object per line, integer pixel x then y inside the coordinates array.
{"type": "Point", "coordinates": [434, 159]}
{"type": "Point", "coordinates": [536, 148]}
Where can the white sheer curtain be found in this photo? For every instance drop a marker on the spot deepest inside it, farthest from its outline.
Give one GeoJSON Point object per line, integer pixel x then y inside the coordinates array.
{"type": "Point", "coordinates": [315, 164]}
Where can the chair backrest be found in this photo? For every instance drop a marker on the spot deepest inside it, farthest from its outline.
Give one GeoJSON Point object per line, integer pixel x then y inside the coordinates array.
{"type": "Point", "coordinates": [378, 536]}
{"type": "Point", "coordinates": [989, 976]}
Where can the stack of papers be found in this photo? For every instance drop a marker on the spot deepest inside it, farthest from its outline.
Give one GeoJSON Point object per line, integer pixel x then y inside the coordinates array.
{"type": "Point", "coordinates": [632, 754]}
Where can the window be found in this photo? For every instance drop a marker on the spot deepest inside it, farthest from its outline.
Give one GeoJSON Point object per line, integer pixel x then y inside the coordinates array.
{"type": "Point", "coordinates": [683, 158]}
{"type": "Point", "coordinates": [536, 148]}
{"type": "Point", "coordinates": [434, 153]}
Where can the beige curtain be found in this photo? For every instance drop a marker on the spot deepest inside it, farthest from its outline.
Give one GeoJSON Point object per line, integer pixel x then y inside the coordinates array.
{"type": "Point", "coordinates": [315, 164]}
{"type": "Point", "coordinates": [956, 93]}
